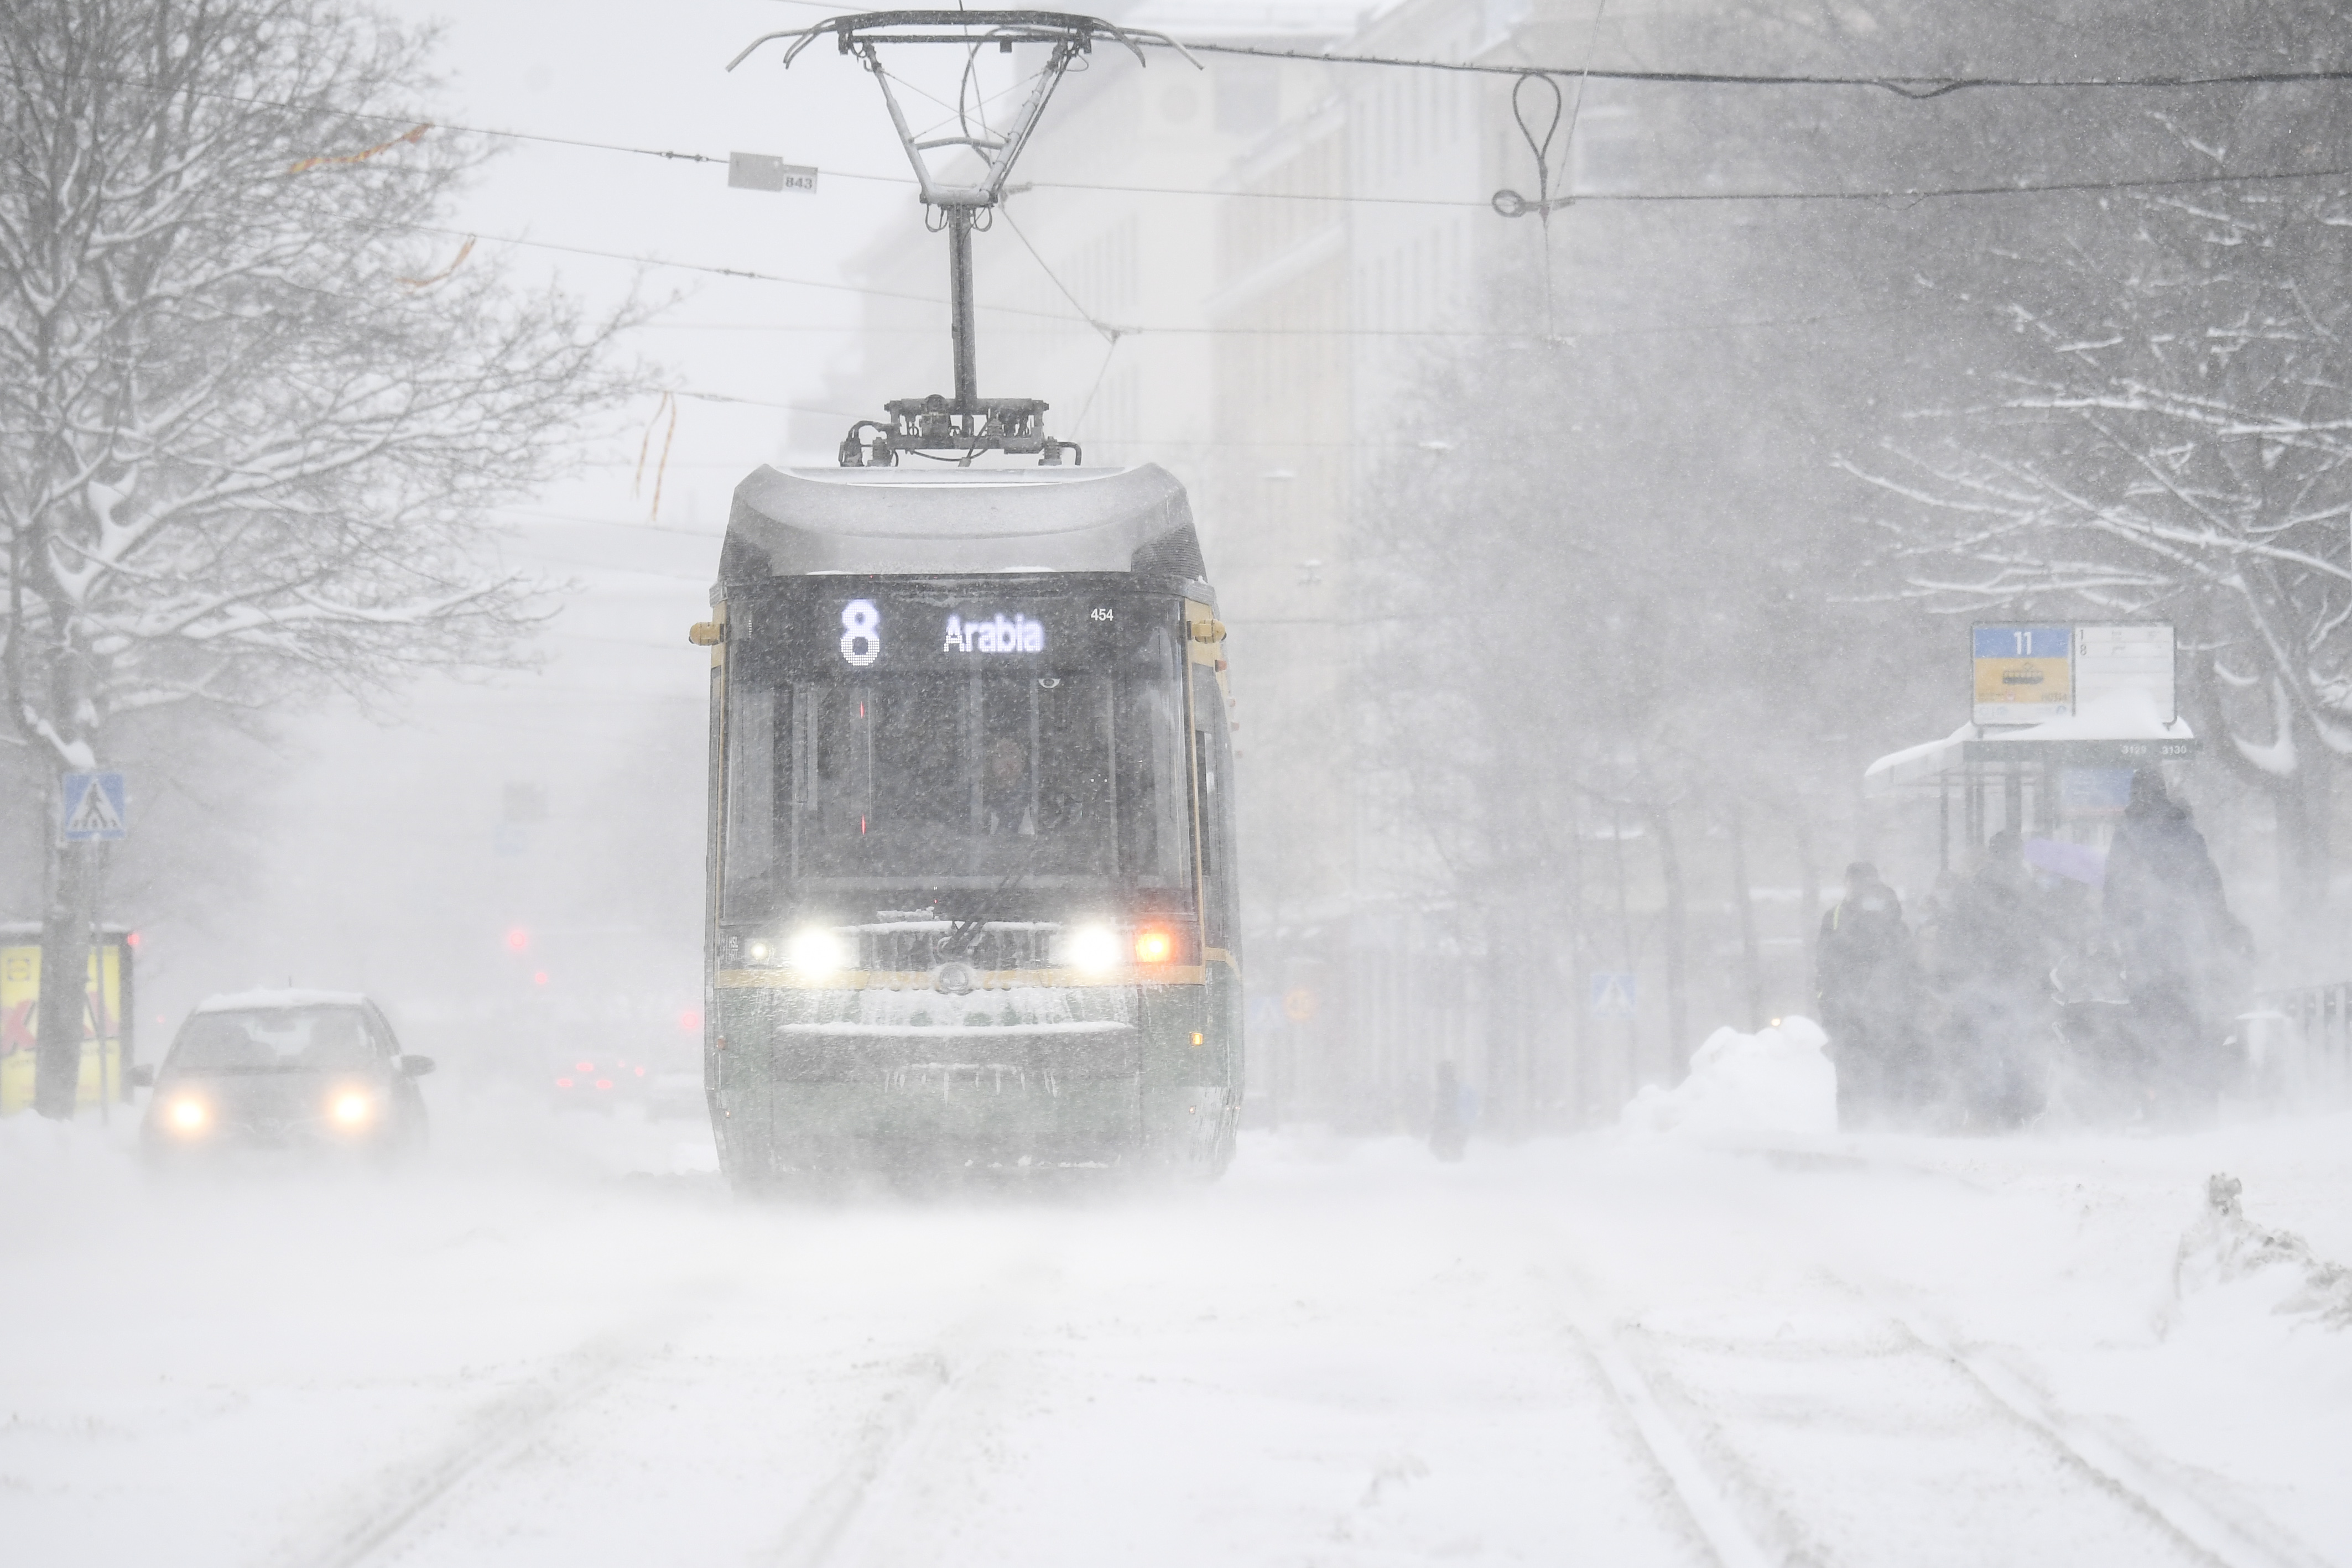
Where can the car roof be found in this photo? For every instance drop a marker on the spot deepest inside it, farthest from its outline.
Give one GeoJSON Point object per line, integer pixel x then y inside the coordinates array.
{"type": "Point", "coordinates": [261, 1001]}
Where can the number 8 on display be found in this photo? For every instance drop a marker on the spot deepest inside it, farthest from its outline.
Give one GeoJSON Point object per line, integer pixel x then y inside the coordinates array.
{"type": "Point", "coordinates": [861, 633]}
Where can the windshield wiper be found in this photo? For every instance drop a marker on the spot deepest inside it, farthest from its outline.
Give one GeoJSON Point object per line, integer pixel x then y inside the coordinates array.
{"type": "Point", "coordinates": [962, 939]}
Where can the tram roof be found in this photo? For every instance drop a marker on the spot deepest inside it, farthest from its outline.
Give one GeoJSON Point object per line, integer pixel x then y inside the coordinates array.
{"type": "Point", "coordinates": [797, 522]}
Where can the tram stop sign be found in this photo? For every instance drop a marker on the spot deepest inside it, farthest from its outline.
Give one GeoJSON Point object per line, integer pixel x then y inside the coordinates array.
{"type": "Point", "coordinates": [94, 808]}
{"type": "Point", "coordinates": [2022, 674]}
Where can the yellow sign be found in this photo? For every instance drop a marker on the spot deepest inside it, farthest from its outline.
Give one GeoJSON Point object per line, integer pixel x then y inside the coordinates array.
{"type": "Point", "coordinates": [101, 1024]}
{"type": "Point", "coordinates": [2024, 675]}
{"type": "Point", "coordinates": [1298, 1004]}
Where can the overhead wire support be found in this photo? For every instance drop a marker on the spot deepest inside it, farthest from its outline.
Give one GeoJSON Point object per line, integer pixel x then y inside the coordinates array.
{"type": "Point", "coordinates": [965, 423]}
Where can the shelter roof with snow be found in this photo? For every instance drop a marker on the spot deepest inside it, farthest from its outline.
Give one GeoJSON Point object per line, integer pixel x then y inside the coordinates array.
{"type": "Point", "coordinates": [2121, 729]}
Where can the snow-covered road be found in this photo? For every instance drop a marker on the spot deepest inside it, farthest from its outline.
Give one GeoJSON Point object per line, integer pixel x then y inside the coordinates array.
{"type": "Point", "coordinates": [1613, 1349]}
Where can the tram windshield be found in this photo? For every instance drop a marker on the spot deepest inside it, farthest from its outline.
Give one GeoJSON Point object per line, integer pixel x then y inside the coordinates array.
{"type": "Point", "coordinates": [851, 782]}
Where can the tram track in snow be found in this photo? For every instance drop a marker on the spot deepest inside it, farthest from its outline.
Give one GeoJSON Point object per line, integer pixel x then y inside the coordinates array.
{"type": "Point", "coordinates": [2216, 1530]}
{"type": "Point", "coordinates": [2227, 1533]}
{"type": "Point", "coordinates": [1709, 1432]}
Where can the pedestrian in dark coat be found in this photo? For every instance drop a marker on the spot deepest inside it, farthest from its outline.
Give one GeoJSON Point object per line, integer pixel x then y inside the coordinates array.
{"type": "Point", "coordinates": [1994, 959]}
{"type": "Point", "coordinates": [2183, 953]}
{"type": "Point", "coordinates": [1449, 1130]}
{"type": "Point", "coordinates": [1867, 980]}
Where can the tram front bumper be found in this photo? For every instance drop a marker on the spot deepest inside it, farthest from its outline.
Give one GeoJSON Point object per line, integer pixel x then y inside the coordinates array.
{"type": "Point", "coordinates": [958, 1119]}
{"type": "Point", "coordinates": [1013, 1078]}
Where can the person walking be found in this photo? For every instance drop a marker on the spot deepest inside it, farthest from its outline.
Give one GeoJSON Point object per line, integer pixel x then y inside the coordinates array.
{"type": "Point", "coordinates": [2183, 953]}
{"type": "Point", "coordinates": [1867, 981]}
{"type": "Point", "coordinates": [1994, 960]}
{"type": "Point", "coordinates": [1449, 1129]}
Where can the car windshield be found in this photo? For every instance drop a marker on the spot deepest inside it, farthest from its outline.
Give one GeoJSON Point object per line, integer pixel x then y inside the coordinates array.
{"type": "Point", "coordinates": [277, 1040]}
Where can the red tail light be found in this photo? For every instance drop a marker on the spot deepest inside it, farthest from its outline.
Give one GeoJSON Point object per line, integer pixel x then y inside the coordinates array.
{"type": "Point", "coordinates": [604, 1084]}
{"type": "Point", "coordinates": [563, 1083]}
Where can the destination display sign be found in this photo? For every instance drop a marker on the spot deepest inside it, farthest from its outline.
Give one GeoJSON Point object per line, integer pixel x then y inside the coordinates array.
{"type": "Point", "coordinates": [864, 625]}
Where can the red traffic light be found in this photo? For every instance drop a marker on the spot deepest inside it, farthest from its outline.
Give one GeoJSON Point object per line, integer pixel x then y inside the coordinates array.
{"type": "Point", "coordinates": [518, 939]}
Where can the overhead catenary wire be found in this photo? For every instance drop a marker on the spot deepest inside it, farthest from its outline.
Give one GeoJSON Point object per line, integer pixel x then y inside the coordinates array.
{"type": "Point", "coordinates": [1110, 334]}
{"type": "Point", "coordinates": [1940, 86]}
{"type": "Point", "coordinates": [1885, 194]}
{"type": "Point", "coordinates": [1911, 87]}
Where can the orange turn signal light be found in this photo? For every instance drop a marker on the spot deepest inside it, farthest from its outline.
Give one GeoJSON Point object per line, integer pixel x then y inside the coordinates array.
{"type": "Point", "coordinates": [1153, 946]}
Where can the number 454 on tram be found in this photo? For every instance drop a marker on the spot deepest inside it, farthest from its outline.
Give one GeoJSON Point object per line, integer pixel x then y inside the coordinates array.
{"type": "Point", "coordinates": [972, 890]}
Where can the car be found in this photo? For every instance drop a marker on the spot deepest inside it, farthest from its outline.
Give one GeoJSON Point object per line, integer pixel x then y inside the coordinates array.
{"type": "Point", "coordinates": [596, 1080]}
{"type": "Point", "coordinates": [314, 1072]}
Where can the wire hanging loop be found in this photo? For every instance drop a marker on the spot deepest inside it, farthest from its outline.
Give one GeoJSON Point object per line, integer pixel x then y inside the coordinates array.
{"type": "Point", "coordinates": [1510, 203]}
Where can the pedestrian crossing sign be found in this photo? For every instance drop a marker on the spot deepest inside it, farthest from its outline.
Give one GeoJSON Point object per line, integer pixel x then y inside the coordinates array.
{"type": "Point", "coordinates": [94, 807]}
{"type": "Point", "coordinates": [1614, 994]}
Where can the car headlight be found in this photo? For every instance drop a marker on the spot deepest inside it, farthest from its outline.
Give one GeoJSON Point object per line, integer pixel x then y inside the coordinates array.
{"type": "Point", "coordinates": [1093, 948]}
{"type": "Point", "coordinates": [189, 1115]}
{"type": "Point", "coordinates": [352, 1108]}
{"type": "Point", "coordinates": [816, 951]}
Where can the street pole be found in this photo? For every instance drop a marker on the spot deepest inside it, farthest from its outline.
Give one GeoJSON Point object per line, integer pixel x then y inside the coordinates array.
{"type": "Point", "coordinates": [65, 965]}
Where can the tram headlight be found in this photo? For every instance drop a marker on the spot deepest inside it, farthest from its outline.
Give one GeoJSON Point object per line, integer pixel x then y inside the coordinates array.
{"type": "Point", "coordinates": [816, 952]}
{"type": "Point", "coordinates": [1093, 949]}
{"type": "Point", "coordinates": [1153, 946]}
{"type": "Point", "coordinates": [758, 951]}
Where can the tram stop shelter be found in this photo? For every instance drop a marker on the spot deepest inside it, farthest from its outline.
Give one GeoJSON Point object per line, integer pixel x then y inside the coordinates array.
{"type": "Point", "coordinates": [2062, 784]}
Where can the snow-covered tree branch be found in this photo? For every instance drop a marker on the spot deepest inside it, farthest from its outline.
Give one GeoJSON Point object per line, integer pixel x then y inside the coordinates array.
{"type": "Point", "coordinates": [252, 418]}
{"type": "Point", "coordinates": [2183, 452]}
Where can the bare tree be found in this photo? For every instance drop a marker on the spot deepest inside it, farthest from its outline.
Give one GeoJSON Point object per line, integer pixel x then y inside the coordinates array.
{"type": "Point", "coordinates": [253, 405]}
{"type": "Point", "coordinates": [2183, 451]}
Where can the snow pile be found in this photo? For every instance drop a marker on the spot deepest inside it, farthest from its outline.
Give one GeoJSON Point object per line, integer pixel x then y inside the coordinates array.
{"type": "Point", "coordinates": [1775, 1081]}
{"type": "Point", "coordinates": [2224, 1247]}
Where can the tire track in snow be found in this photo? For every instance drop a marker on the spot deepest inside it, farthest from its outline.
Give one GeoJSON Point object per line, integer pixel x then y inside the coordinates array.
{"type": "Point", "coordinates": [816, 1530]}
{"type": "Point", "coordinates": [399, 1506]}
{"type": "Point", "coordinates": [889, 1442]}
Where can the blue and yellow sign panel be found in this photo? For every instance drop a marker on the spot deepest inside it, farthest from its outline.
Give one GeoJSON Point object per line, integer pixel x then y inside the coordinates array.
{"type": "Point", "coordinates": [2024, 675]}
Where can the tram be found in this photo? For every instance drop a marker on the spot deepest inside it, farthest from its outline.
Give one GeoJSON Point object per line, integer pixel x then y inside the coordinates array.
{"type": "Point", "coordinates": [971, 893]}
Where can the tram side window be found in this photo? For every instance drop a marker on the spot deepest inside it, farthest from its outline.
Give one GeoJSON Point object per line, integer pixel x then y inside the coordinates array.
{"type": "Point", "coordinates": [1213, 776]}
{"type": "Point", "coordinates": [1154, 816]}
{"type": "Point", "coordinates": [749, 845]}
